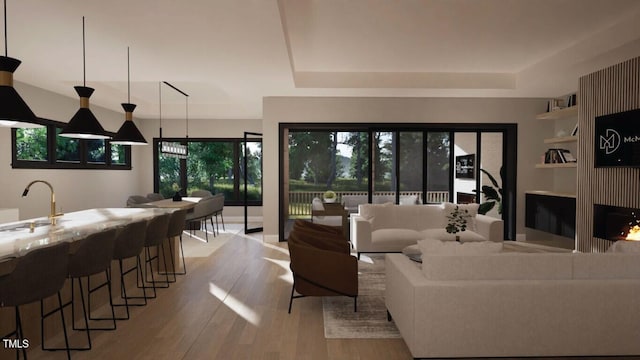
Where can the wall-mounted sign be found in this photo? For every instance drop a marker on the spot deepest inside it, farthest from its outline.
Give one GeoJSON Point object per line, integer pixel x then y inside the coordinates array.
{"type": "Point", "coordinates": [465, 166]}
{"type": "Point", "coordinates": [617, 139]}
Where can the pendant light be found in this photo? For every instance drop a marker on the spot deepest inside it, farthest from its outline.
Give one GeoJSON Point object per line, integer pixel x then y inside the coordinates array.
{"type": "Point", "coordinates": [128, 134]}
{"type": "Point", "coordinates": [14, 112]}
{"type": "Point", "coordinates": [84, 125]}
{"type": "Point", "coordinates": [175, 149]}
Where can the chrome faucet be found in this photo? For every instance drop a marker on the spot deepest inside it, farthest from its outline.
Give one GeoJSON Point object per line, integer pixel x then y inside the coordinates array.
{"type": "Point", "coordinates": [52, 215]}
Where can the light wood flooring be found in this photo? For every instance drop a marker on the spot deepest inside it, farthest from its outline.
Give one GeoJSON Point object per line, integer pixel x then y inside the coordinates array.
{"type": "Point", "coordinates": [231, 305]}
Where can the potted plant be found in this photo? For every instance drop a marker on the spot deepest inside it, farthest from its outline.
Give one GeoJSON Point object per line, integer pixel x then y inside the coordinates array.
{"type": "Point", "coordinates": [492, 194]}
{"type": "Point", "coordinates": [329, 196]}
{"type": "Point", "coordinates": [176, 196]}
{"type": "Point", "coordinates": [457, 221]}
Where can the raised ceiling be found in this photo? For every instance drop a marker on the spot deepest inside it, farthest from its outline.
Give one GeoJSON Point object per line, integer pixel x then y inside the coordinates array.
{"type": "Point", "coordinates": [229, 54]}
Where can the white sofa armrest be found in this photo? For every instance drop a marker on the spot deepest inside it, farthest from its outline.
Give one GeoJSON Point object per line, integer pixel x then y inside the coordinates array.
{"type": "Point", "coordinates": [489, 227]}
{"type": "Point", "coordinates": [360, 233]}
{"type": "Point", "coordinates": [403, 276]}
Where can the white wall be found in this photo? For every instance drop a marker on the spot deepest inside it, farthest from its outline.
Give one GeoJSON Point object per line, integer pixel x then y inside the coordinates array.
{"type": "Point", "coordinates": [409, 110]}
{"type": "Point", "coordinates": [465, 144]}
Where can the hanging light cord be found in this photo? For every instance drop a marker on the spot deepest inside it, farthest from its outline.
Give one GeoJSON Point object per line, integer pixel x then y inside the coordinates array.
{"type": "Point", "coordinates": [160, 102]}
{"type": "Point", "coordinates": [84, 57]}
{"type": "Point", "coordinates": [187, 117]}
{"type": "Point", "coordinates": [128, 78]}
{"type": "Point", "coordinates": [5, 29]}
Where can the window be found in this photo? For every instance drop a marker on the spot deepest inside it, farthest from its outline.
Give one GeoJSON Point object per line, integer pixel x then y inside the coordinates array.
{"type": "Point", "coordinates": [399, 163]}
{"type": "Point", "coordinates": [44, 148]}
{"type": "Point", "coordinates": [212, 164]}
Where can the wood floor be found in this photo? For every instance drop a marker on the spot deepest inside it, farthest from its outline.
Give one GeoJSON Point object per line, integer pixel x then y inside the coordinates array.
{"type": "Point", "coordinates": [231, 305]}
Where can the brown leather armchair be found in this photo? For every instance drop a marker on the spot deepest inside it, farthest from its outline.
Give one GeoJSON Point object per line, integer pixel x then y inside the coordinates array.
{"type": "Point", "coordinates": [321, 264]}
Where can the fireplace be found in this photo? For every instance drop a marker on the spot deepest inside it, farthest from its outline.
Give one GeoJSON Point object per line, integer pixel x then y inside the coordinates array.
{"type": "Point", "coordinates": [616, 223]}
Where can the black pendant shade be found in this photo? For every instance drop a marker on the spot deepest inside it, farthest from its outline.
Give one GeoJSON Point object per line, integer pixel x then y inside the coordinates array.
{"type": "Point", "coordinates": [14, 112]}
{"type": "Point", "coordinates": [128, 134]}
{"type": "Point", "coordinates": [84, 125]}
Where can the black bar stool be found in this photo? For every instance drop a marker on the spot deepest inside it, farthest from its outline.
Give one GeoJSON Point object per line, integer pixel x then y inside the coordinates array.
{"type": "Point", "coordinates": [129, 243]}
{"type": "Point", "coordinates": [37, 275]}
{"type": "Point", "coordinates": [176, 227]}
{"type": "Point", "coordinates": [157, 229]}
{"type": "Point", "coordinates": [89, 256]}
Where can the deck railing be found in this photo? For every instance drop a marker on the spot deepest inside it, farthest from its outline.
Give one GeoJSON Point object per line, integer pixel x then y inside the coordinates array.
{"type": "Point", "coordinates": [300, 201]}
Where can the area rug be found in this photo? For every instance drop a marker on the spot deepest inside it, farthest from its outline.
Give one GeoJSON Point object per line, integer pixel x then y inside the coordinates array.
{"type": "Point", "coordinates": [196, 246]}
{"type": "Point", "coordinates": [370, 321]}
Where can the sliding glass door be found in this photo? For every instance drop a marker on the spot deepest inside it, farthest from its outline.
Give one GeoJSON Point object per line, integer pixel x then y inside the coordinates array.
{"type": "Point", "coordinates": [407, 164]}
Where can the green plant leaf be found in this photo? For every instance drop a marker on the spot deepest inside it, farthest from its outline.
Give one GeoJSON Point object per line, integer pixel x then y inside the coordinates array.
{"type": "Point", "coordinates": [485, 207]}
{"type": "Point", "coordinates": [491, 178]}
{"type": "Point", "coordinates": [490, 193]}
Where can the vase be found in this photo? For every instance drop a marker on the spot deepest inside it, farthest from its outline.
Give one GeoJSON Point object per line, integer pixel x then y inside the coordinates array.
{"type": "Point", "coordinates": [177, 197]}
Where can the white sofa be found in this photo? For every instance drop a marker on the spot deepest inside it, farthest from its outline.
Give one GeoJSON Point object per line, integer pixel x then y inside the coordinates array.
{"type": "Point", "coordinates": [391, 228]}
{"type": "Point", "coordinates": [516, 304]}
{"type": "Point", "coordinates": [352, 202]}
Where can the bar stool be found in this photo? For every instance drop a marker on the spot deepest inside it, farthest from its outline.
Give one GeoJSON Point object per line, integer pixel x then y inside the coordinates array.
{"type": "Point", "coordinates": [89, 256]}
{"type": "Point", "coordinates": [157, 229]}
{"type": "Point", "coordinates": [176, 227]}
{"type": "Point", "coordinates": [128, 244]}
{"type": "Point", "coordinates": [37, 275]}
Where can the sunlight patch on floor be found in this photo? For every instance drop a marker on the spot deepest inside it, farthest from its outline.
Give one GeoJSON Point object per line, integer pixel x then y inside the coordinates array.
{"type": "Point", "coordinates": [234, 304]}
{"type": "Point", "coordinates": [284, 264]}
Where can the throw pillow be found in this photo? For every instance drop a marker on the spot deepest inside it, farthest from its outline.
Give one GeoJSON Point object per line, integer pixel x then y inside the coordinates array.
{"type": "Point", "coordinates": [412, 250]}
{"type": "Point", "coordinates": [624, 246]}
{"type": "Point", "coordinates": [471, 210]}
{"type": "Point", "coordinates": [438, 247]}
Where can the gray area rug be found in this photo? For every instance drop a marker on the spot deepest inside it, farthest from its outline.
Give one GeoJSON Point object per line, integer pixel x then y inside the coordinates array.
{"type": "Point", "coordinates": [370, 321]}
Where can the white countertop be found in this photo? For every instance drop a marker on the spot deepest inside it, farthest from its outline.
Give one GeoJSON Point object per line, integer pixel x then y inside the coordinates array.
{"type": "Point", "coordinates": [16, 238]}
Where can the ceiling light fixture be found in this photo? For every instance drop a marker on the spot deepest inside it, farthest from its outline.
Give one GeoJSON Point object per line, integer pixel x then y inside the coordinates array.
{"type": "Point", "coordinates": [173, 148]}
{"type": "Point", "coordinates": [14, 111]}
{"type": "Point", "coordinates": [128, 134]}
{"type": "Point", "coordinates": [84, 125]}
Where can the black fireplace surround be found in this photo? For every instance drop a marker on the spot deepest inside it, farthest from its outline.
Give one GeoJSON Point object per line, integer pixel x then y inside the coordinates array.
{"type": "Point", "coordinates": [613, 222]}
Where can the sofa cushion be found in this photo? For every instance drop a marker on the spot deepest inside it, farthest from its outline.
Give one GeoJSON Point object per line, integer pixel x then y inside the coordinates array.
{"type": "Point", "coordinates": [500, 266]}
{"type": "Point", "coordinates": [606, 266]}
{"type": "Point", "coordinates": [412, 250]}
{"type": "Point", "coordinates": [398, 237]}
{"type": "Point", "coordinates": [438, 247]}
{"type": "Point", "coordinates": [442, 234]}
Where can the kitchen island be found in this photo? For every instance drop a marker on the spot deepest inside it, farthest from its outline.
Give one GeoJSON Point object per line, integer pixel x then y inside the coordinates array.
{"type": "Point", "coordinates": [18, 238]}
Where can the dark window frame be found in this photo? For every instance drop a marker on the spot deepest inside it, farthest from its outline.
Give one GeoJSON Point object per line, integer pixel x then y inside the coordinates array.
{"type": "Point", "coordinates": [509, 156]}
{"type": "Point", "coordinates": [53, 163]}
{"type": "Point", "coordinates": [237, 144]}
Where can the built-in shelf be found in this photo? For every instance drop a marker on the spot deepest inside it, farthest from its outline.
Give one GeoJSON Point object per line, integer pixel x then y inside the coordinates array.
{"type": "Point", "coordinates": [563, 139]}
{"type": "Point", "coordinates": [558, 165]}
{"type": "Point", "coordinates": [565, 113]}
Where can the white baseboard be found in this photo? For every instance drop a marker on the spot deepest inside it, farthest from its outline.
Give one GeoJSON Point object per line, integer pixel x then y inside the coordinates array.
{"type": "Point", "coordinates": [271, 239]}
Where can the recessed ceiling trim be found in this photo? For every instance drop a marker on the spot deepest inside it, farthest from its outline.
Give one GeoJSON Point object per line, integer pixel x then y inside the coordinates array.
{"type": "Point", "coordinates": [414, 80]}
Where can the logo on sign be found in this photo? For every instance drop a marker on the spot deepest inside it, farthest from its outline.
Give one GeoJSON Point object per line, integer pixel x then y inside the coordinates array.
{"type": "Point", "coordinates": [610, 142]}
